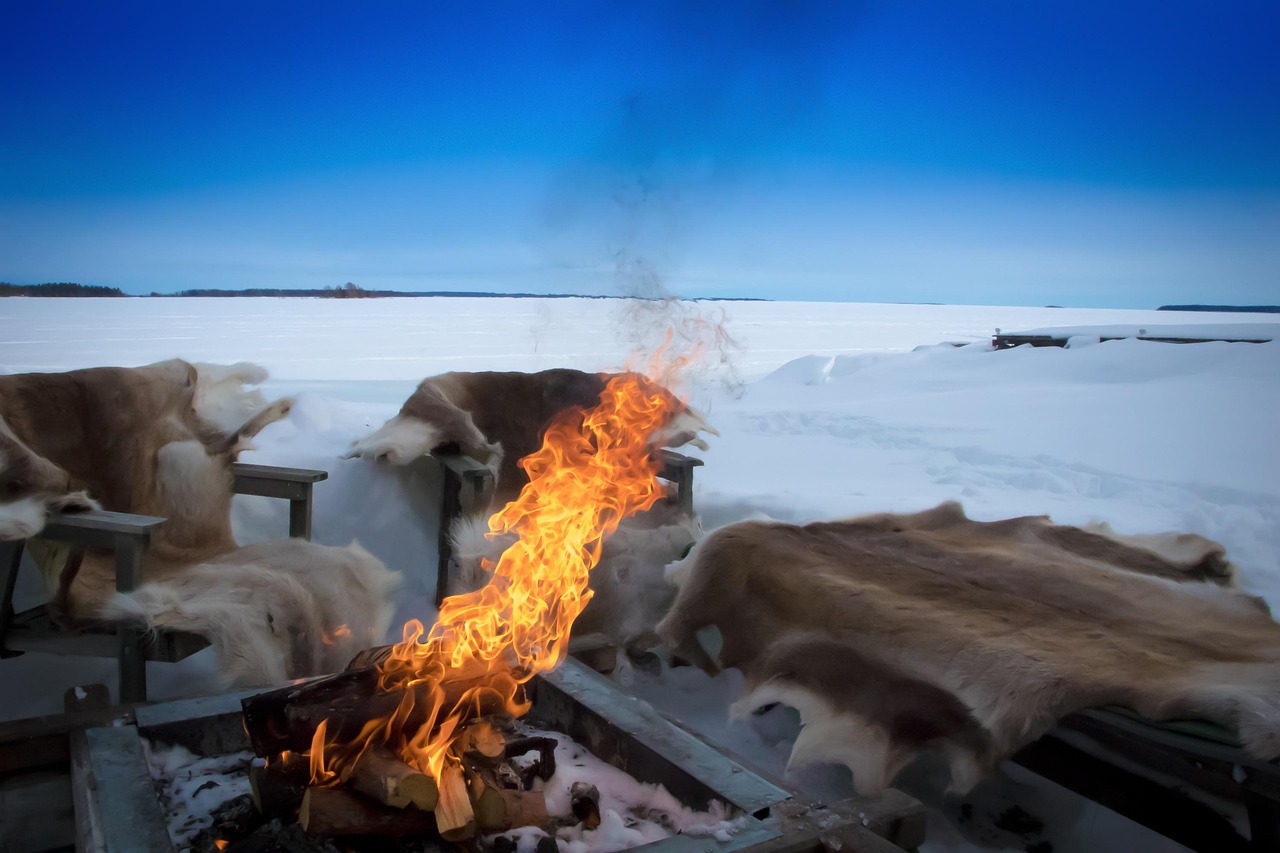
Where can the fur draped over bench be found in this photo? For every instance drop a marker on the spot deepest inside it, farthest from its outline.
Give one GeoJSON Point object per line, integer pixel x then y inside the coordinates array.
{"type": "Point", "coordinates": [160, 440]}
{"type": "Point", "coordinates": [894, 635]}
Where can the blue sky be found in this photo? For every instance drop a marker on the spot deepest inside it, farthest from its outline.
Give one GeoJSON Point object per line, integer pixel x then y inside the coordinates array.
{"type": "Point", "coordinates": [1030, 153]}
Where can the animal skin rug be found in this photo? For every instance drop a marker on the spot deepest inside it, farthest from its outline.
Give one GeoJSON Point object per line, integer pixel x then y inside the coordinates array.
{"type": "Point", "coordinates": [894, 635]}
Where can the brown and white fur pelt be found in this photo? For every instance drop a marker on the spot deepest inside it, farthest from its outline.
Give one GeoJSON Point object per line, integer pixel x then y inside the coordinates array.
{"type": "Point", "coordinates": [272, 611]}
{"type": "Point", "coordinates": [899, 634]}
{"type": "Point", "coordinates": [630, 592]}
{"type": "Point", "coordinates": [499, 418]}
{"type": "Point", "coordinates": [160, 440]}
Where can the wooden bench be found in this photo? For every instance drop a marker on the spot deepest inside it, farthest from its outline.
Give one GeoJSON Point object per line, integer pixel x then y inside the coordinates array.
{"type": "Point", "coordinates": [128, 537]}
{"type": "Point", "coordinates": [464, 480]}
{"type": "Point", "coordinates": [1160, 775]}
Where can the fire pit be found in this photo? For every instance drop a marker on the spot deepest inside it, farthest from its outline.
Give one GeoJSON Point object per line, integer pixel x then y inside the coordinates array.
{"type": "Point", "coordinates": [118, 807]}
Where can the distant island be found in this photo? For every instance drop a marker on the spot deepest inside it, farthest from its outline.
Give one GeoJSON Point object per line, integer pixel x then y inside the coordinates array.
{"type": "Point", "coordinates": [346, 291]}
{"type": "Point", "coordinates": [65, 288]}
{"type": "Point", "coordinates": [1240, 309]}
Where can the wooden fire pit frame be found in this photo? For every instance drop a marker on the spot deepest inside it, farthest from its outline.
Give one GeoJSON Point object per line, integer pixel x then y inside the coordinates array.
{"type": "Point", "coordinates": [117, 809]}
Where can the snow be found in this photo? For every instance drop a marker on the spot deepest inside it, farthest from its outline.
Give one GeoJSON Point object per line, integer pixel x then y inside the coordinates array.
{"type": "Point", "coordinates": [824, 410]}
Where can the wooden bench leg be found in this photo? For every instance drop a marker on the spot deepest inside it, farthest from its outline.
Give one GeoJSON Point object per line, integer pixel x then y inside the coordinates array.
{"type": "Point", "coordinates": [1264, 824]}
{"type": "Point", "coordinates": [132, 657]}
{"type": "Point", "coordinates": [450, 511]}
{"type": "Point", "coordinates": [10, 560]}
{"type": "Point", "coordinates": [300, 517]}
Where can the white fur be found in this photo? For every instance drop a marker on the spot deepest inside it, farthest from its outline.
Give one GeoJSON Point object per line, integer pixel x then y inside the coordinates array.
{"type": "Point", "coordinates": [399, 441]}
{"type": "Point", "coordinates": [22, 518]}
{"type": "Point", "coordinates": [221, 396]}
{"type": "Point", "coordinates": [683, 429]}
{"type": "Point", "coordinates": [273, 611]}
{"type": "Point", "coordinates": [829, 736]}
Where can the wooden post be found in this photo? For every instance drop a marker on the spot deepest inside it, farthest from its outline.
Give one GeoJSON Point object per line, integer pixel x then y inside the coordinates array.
{"type": "Point", "coordinates": [132, 658]}
{"type": "Point", "coordinates": [462, 480]}
{"type": "Point", "coordinates": [10, 560]}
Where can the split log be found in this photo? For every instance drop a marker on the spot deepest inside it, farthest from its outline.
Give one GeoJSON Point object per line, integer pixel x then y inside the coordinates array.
{"type": "Point", "coordinates": [332, 812]}
{"type": "Point", "coordinates": [279, 785]}
{"type": "Point", "coordinates": [384, 777]}
{"type": "Point", "coordinates": [486, 800]}
{"type": "Point", "coordinates": [584, 801]}
{"type": "Point", "coordinates": [455, 817]}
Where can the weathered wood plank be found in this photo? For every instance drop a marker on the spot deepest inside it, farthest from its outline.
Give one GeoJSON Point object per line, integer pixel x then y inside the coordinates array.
{"type": "Point", "coordinates": [279, 473]}
{"type": "Point", "coordinates": [635, 738]}
{"type": "Point", "coordinates": [128, 812]}
{"type": "Point", "coordinates": [98, 527]}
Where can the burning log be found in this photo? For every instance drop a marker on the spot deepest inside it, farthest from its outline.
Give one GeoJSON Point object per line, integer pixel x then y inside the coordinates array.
{"type": "Point", "coordinates": [482, 741]}
{"type": "Point", "coordinates": [455, 818]}
{"type": "Point", "coordinates": [584, 800]}
{"type": "Point", "coordinates": [387, 779]}
{"type": "Point", "coordinates": [333, 812]}
{"type": "Point", "coordinates": [287, 717]}
{"type": "Point", "coordinates": [279, 785]}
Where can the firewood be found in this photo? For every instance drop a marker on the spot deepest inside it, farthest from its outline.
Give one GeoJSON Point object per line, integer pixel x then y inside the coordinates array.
{"type": "Point", "coordinates": [584, 800]}
{"type": "Point", "coordinates": [544, 768]}
{"type": "Point", "coordinates": [278, 786]}
{"type": "Point", "coordinates": [370, 657]}
{"type": "Point", "coordinates": [329, 812]}
{"type": "Point", "coordinates": [525, 808]}
{"type": "Point", "coordinates": [483, 741]}
{"type": "Point", "coordinates": [381, 775]}
{"type": "Point", "coordinates": [287, 718]}
{"type": "Point", "coordinates": [455, 817]}
{"type": "Point", "coordinates": [486, 800]}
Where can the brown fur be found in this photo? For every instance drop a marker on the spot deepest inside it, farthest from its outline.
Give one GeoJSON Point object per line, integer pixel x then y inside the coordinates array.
{"type": "Point", "coordinates": [1004, 626]}
{"type": "Point", "coordinates": [497, 418]}
{"type": "Point", "coordinates": [159, 440]}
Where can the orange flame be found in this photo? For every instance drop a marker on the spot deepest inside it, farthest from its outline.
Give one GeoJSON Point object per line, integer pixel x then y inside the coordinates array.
{"type": "Point", "coordinates": [594, 469]}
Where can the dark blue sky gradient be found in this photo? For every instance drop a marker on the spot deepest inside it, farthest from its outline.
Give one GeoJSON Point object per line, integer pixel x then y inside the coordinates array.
{"type": "Point", "coordinates": [1017, 152]}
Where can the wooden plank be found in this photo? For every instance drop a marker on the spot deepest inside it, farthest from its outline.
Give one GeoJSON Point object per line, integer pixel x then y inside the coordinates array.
{"type": "Point", "coordinates": [278, 473]}
{"type": "Point", "coordinates": [98, 527]}
{"type": "Point", "coordinates": [1160, 808]}
{"type": "Point", "coordinates": [42, 741]}
{"type": "Point", "coordinates": [208, 725]}
{"type": "Point", "coordinates": [462, 464]}
{"type": "Point", "coordinates": [632, 736]}
{"type": "Point", "coordinates": [36, 811]}
{"type": "Point", "coordinates": [118, 782]}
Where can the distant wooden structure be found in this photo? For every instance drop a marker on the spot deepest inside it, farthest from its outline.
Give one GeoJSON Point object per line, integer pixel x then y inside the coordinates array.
{"type": "Point", "coordinates": [1061, 337]}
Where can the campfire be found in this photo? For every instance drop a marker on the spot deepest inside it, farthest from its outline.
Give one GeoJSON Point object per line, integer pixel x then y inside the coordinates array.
{"type": "Point", "coordinates": [419, 736]}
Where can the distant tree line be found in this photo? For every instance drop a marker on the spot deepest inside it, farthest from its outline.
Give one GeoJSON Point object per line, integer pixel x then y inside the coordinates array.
{"type": "Point", "coordinates": [62, 288]}
{"type": "Point", "coordinates": [346, 291]}
{"type": "Point", "coordinates": [1243, 309]}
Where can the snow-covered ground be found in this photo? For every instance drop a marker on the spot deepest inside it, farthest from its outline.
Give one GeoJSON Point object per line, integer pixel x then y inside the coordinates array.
{"type": "Point", "coordinates": [825, 410]}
